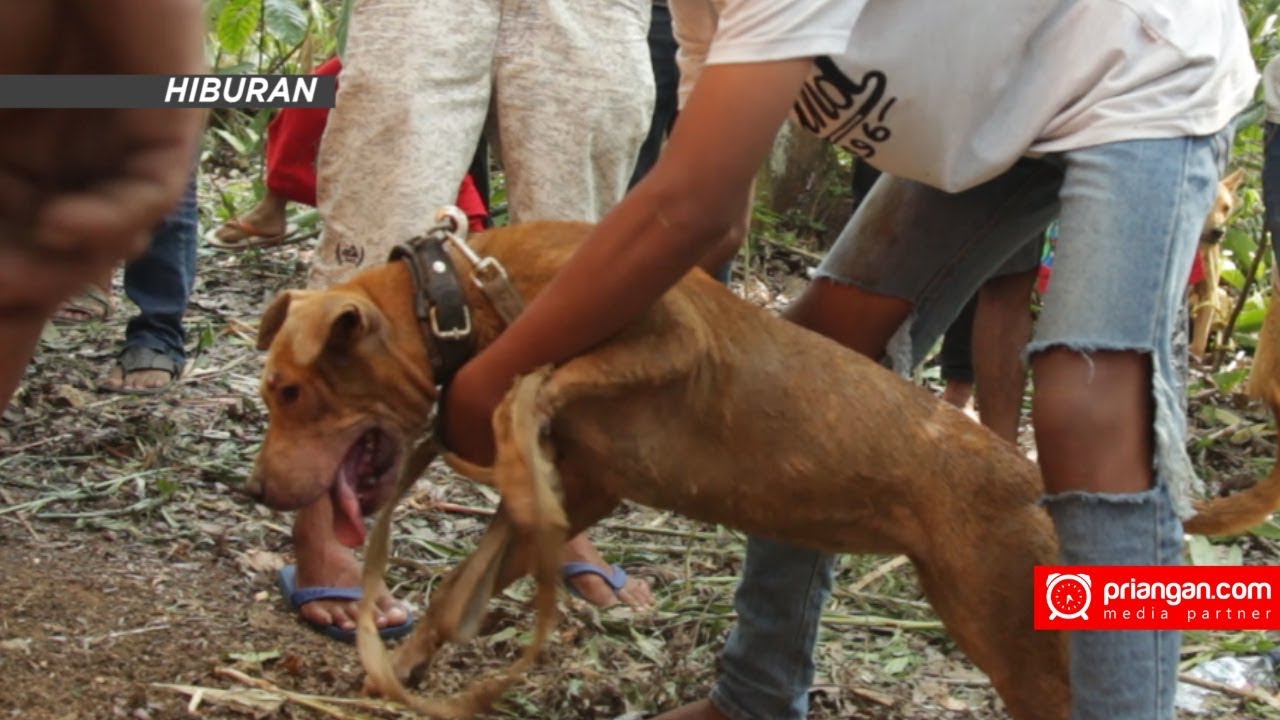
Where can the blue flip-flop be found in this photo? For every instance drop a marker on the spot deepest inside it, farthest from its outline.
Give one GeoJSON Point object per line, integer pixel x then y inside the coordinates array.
{"type": "Point", "coordinates": [615, 576]}
{"type": "Point", "coordinates": [288, 583]}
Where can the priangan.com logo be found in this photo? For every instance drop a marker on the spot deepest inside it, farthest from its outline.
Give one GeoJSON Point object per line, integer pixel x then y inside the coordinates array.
{"type": "Point", "coordinates": [1070, 595]}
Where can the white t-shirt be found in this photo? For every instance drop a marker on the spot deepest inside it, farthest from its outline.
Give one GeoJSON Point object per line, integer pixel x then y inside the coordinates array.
{"type": "Point", "coordinates": [953, 93]}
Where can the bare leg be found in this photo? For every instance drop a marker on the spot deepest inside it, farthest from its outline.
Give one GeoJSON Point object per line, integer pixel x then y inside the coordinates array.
{"type": "Point", "coordinates": [1093, 419]}
{"type": "Point", "coordinates": [74, 310]}
{"type": "Point", "coordinates": [267, 218]}
{"type": "Point", "coordinates": [957, 393]}
{"type": "Point", "coordinates": [824, 308]}
{"type": "Point", "coordinates": [324, 561]}
{"type": "Point", "coordinates": [1001, 329]}
{"type": "Point", "coordinates": [21, 334]}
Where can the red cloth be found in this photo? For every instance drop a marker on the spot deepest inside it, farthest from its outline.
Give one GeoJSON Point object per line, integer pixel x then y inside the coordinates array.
{"type": "Point", "coordinates": [1197, 268]}
{"type": "Point", "coordinates": [293, 141]}
{"type": "Point", "coordinates": [1197, 273]}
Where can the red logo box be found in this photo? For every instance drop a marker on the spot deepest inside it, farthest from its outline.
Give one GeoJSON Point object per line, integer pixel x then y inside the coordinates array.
{"type": "Point", "coordinates": [1147, 597]}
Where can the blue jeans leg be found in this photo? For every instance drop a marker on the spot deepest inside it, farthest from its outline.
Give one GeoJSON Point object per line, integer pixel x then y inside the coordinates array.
{"type": "Point", "coordinates": [767, 665]}
{"type": "Point", "coordinates": [1119, 281]}
{"type": "Point", "coordinates": [160, 282]}
{"type": "Point", "coordinates": [1271, 184]}
{"type": "Point", "coordinates": [1123, 673]}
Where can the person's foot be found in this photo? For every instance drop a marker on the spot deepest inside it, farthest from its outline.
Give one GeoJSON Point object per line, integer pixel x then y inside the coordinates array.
{"type": "Point", "coordinates": [325, 562]}
{"type": "Point", "coordinates": [594, 588]}
{"type": "Point", "coordinates": [700, 710]}
{"type": "Point", "coordinates": [141, 370]}
{"type": "Point", "coordinates": [264, 220]}
{"type": "Point", "coordinates": [93, 303]}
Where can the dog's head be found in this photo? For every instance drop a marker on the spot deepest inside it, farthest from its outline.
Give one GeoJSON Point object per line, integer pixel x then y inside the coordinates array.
{"type": "Point", "coordinates": [1224, 203]}
{"type": "Point", "coordinates": [345, 401]}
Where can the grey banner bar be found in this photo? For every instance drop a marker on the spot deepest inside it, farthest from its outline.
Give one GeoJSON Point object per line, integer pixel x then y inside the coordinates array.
{"type": "Point", "coordinates": [163, 91]}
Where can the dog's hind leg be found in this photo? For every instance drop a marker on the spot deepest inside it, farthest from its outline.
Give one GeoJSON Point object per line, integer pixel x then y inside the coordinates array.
{"type": "Point", "coordinates": [978, 578]}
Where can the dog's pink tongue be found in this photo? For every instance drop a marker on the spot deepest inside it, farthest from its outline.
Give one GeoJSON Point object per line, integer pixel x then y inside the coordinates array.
{"type": "Point", "coordinates": [348, 522]}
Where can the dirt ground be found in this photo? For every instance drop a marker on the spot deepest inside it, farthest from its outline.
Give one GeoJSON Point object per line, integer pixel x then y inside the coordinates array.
{"type": "Point", "coordinates": [138, 583]}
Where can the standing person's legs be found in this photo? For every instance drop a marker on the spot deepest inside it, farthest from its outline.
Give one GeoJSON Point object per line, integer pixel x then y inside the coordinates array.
{"type": "Point", "coordinates": [1264, 376]}
{"type": "Point", "coordinates": [293, 144]}
{"type": "Point", "coordinates": [412, 102]}
{"type": "Point", "coordinates": [411, 107]}
{"type": "Point", "coordinates": [1271, 184]}
{"type": "Point", "coordinates": [955, 358]}
{"type": "Point", "coordinates": [159, 283]}
{"type": "Point", "coordinates": [876, 291]}
{"type": "Point", "coordinates": [1107, 413]}
{"type": "Point", "coordinates": [1001, 330]}
{"type": "Point", "coordinates": [573, 100]}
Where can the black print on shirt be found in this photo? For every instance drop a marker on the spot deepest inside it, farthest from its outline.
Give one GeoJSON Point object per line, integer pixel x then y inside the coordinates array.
{"type": "Point", "coordinates": [847, 113]}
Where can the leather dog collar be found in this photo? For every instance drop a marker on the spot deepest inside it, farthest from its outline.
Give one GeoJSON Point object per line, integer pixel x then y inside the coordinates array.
{"type": "Point", "coordinates": [439, 301]}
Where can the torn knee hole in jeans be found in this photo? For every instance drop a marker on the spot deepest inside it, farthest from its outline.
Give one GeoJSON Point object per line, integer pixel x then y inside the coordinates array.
{"type": "Point", "coordinates": [1084, 350]}
{"type": "Point", "coordinates": [1087, 497]}
{"type": "Point", "coordinates": [1171, 465]}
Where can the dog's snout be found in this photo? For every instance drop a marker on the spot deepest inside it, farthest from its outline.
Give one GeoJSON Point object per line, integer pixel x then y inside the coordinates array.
{"type": "Point", "coordinates": [1215, 234]}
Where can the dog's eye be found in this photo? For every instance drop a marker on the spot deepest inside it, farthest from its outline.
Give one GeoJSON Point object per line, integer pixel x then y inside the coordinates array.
{"type": "Point", "coordinates": [289, 394]}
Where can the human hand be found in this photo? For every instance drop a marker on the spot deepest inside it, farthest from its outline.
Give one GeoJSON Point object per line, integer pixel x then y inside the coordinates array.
{"type": "Point", "coordinates": [81, 190]}
{"type": "Point", "coordinates": [467, 411]}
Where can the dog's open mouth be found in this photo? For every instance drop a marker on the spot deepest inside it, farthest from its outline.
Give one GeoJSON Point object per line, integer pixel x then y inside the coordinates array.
{"type": "Point", "coordinates": [365, 479]}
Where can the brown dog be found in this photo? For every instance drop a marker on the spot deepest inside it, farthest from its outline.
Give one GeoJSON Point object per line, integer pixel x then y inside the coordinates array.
{"type": "Point", "coordinates": [707, 406]}
{"type": "Point", "coordinates": [1209, 304]}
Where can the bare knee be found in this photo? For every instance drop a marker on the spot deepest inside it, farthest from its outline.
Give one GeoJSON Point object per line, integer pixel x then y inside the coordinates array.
{"type": "Point", "coordinates": [1092, 415]}
{"type": "Point", "coordinates": [853, 317]}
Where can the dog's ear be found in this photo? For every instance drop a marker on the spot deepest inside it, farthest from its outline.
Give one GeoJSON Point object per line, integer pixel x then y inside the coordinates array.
{"type": "Point", "coordinates": [274, 317]}
{"type": "Point", "coordinates": [352, 322]}
{"type": "Point", "coordinates": [334, 326]}
{"type": "Point", "coordinates": [1232, 181]}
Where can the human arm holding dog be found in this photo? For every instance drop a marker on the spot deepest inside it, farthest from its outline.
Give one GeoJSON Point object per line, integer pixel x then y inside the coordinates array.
{"type": "Point", "coordinates": [80, 190]}
{"type": "Point", "coordinates": [696, 194]}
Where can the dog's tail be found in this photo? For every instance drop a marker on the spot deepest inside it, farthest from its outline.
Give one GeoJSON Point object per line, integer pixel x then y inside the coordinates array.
{"type": "Point", "coordinates": [1239, 512]}
{"type": "Point", "coordinates": [1247, 508]}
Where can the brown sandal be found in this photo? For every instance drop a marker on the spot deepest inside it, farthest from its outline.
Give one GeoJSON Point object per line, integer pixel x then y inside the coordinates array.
{"type": "Point", "coordinates": [251, 236]}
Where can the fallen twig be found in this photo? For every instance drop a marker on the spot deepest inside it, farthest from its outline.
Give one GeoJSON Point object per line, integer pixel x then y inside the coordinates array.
{"type": "Point", "coordinates": [121, 633]}
{"type": "Point", "coordinates": [691, 534]}
{"type": "Point", "coordinates": [320, 703]}
{"type": "Point", "coordinates": [840, 620]}
{"type": "Point", "coordinates": [35, 443]}
{"type": "Point", "coordinates": [807, 254]}
{"type": "Point", "coordinates": [254, 701]}
{"type": "Point", "coordinates": [1248, 693]}
{"type": "Point", "coordinates": [138, 507]}
{"type": "Point", "coordinates": [84, 492]}
{"type": "Point", "coordinates": [881, 570]}
{"type": "Point", "coordinates": [678, 550]}
{"type": "Point", "coordinates": [461, 509]}
{"type": "Point", "coordinates": [875, 697]}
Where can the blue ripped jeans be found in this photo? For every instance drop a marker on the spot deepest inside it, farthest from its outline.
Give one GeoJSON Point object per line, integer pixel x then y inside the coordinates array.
{"type": "Point", "coordinates": [1130, 213]}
